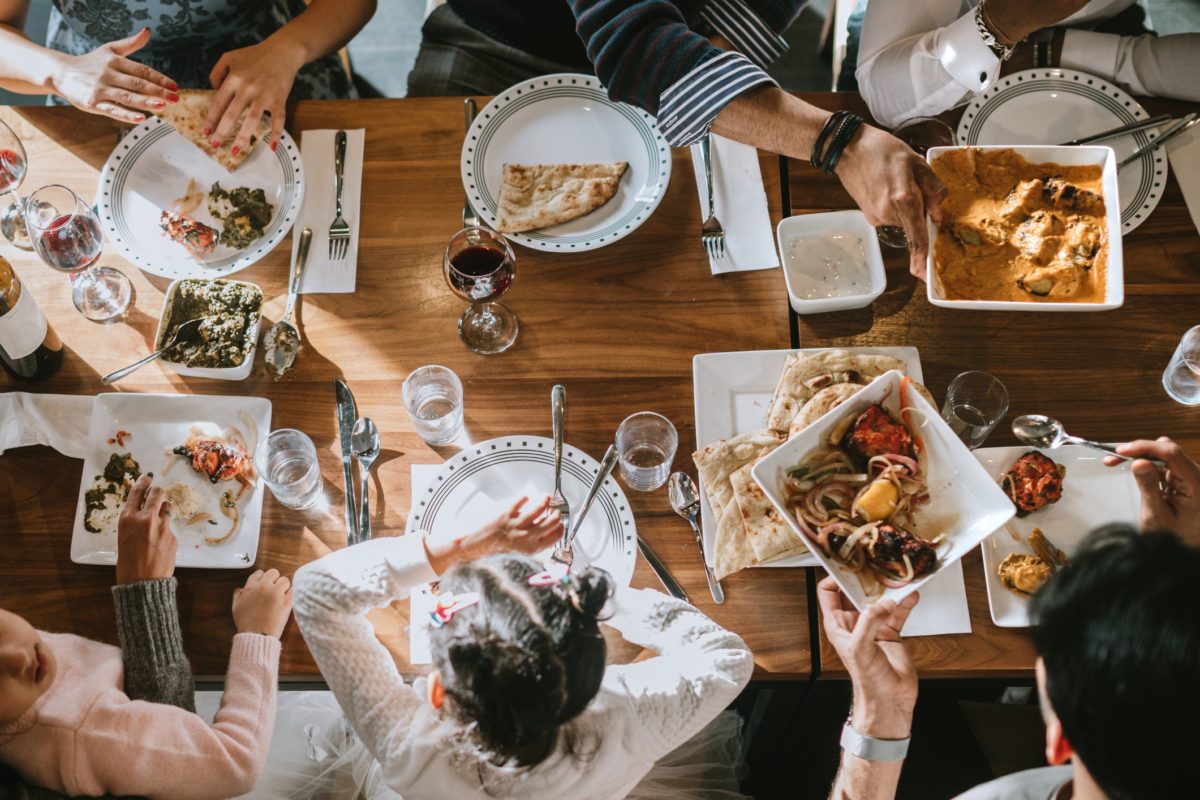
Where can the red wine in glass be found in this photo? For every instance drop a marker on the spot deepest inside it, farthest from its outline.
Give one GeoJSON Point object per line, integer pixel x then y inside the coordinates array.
{"type": "Point", "coordinates": [480, 273]}
{"type": "Point", "coordinates": [70, 242]}
{"type": "Point", "coordinates": [12, 169]}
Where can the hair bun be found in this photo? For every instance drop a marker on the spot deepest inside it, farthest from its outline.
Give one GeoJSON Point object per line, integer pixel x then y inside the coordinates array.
{"type": "Point", "coordinates": [594, 587]}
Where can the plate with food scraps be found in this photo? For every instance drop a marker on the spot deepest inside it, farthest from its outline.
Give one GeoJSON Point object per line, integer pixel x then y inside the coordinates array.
{"type": "Point", "coordinates": [885, 492]}
{"type": "Point", "coordinates": [733, 395]}
{"type": "Point", "coordinates": [477, 483]}
{"type": "Point", "coordinates": [182, 440]}
{"type": "Point", "coordinates": [172, 211]}
{"type": "Point", "coordinates": [1089, 495]}
{"type": "Point", "coordinates": [560, 120]}
{"type": "Point", "coordinates": [1056, 106]}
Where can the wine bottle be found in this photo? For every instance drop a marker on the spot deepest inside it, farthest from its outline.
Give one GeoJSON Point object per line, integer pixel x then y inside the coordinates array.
{"type": "Point", "coordinates": [29, 348]}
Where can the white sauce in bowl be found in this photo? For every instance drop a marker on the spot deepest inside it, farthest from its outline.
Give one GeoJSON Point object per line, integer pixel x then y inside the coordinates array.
{"type": "Point", "coordinates": [828, 266]}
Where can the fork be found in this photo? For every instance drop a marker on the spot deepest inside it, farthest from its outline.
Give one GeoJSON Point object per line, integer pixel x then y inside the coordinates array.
{"type": "Point", "coordinates": [339, 231]}
{"type": "Point", "coordinates": [565, 553]}
{"type": "Point", "coordinates": [558, 414]}
{"type": "Point", "coordinates": [712, 235]}
{"type": "Point", "coordinates": [470, 217]}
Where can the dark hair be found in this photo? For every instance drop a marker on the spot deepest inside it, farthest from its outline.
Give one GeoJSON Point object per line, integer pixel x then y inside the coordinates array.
{"type": "Point", "coordinates": [523, 661]}
{"type": "Point", "coordinates": [1119, 631]}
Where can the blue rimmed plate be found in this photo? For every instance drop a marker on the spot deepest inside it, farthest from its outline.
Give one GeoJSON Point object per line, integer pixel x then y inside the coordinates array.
{"type": "Point", "coordinates": [150, 170]}
{"type": "Point", "coordinates": [566, 119]}
{"type": "Point", "coordinates": [472, 486]}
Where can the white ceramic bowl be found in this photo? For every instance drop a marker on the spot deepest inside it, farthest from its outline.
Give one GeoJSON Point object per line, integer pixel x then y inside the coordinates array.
{"type": "Point", "coordinates": [237, 373]}
{"type": "Point", "coordinates": [831, 223]}
{"type": "Point", "coordinates": [966, 503]}
{"type": "Point", "coordinates": [1114, 295]}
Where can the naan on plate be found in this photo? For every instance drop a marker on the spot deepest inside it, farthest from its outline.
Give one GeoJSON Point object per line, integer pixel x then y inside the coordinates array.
{"type": "Point", "coordinates": [770, 535]}
{"type": "Point", "coordinates": [534, 196]}
{"type": "Point", "coordinates": [720, 459]}
{"type": "Point", "coordinates": [188, 116]}
{"type": "Point", "coordinates": [809, 373]}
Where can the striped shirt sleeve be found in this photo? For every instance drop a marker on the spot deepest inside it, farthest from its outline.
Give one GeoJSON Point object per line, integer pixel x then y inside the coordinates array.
{"type": "Point", "coordinates": [745, 30]}
{"type": "Point", "coordinates": [689, 106]}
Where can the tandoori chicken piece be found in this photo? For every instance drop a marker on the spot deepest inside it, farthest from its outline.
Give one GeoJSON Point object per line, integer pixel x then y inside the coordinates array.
{"type": "Point", "coordinates": [1032, 482]}
{"type": "Point", "coordinates": [876, 433]}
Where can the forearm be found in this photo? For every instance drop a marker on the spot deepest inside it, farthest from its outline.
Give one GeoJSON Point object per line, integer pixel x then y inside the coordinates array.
{"type": "Point", "coordinates": [859, 779]}
{"type": "Point", "coordinates": [323, 28]}
{"type": "Point", "coordinates": [156, 668]}
{"type": "Point", "coordinates": [25, 67]}
{"type": "Point", "coordinates": [771, 119]}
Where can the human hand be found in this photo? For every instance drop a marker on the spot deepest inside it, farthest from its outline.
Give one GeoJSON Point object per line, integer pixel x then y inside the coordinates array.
{"type": "Point", "coordinates": [1170, 498]}
{"type": "Point", "coordinates": [263, 604]}
{"type": "Point", "coordinates": [881, 671]}
{"type": "Point", "coordinates": [106, 82]}
{"type": "Point", "coordinates": [893, 186]}
{"type": "Point", "coordinates": [251, 80]}
{"type": "Point", "coordinates": [145, 544]}
{"type": "Point", "coordinates": [1013, 20]}
{"type": "Point", "coordinates": [530, 532]}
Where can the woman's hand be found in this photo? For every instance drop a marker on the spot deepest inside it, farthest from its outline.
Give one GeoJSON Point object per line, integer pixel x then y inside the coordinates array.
{"type": "Point", "coordinates": [106, 82]}
{"type": "Point", "coordinates": [530, 532]}
{"type": "Point", "coordinates": [251, 80]}
{"type": "Point", "coordinates": [145, 545]}
{"type": "Point", "coordinates": [1170, 499]}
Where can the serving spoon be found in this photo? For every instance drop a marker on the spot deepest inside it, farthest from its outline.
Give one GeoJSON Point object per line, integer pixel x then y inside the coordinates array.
{"type": "Point", "coordinates": [283, 340]}
{"type": "Point", "coordinates": [1040, 431]}
{"type": "Point", "coordinates": [123, 371]}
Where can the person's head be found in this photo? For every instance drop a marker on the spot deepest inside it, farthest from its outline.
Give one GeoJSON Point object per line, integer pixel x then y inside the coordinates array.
{"type": "Point", "coordinates": [27, 667]}
{"type": "Point", "coordinates": [1118, 636]}
{"type": "Point", "coordinates": [524, 660]}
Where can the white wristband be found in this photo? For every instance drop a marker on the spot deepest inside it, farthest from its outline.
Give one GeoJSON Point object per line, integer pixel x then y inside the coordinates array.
{"type": "Point", "coordinates": [871, 749]}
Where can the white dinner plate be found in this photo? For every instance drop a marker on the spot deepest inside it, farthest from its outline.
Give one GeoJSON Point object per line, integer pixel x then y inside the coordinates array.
{"type": "Point", "coordinates": [472, 486]}
{"type": "Point", "coordinates": [156, 424]}
{"type": "Point", "coordinates": [562, 119]}
{"type": "Point", "coordinates": [1053, 106]}
{"type": "Point", "coordinates": [732, 395]}
{"type": "Point", "coordinates": [1093, 495]}
{"type": "Point", "coordinates": [150, 169]}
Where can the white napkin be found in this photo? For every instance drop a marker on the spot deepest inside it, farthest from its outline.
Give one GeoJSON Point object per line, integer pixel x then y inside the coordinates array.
{"type": "Point", "coordinates": [321, 274]}
{"type": "Point", "coordinates": [943, 606]}
{"type": "Point", "coordinates": [741, 206]}
{"type": "Point", "coordinates": [1184, 154]}
{"type": "Point", "coordinates": [61, 421]}
{"type": "Point", "coordinates": [422, 599]}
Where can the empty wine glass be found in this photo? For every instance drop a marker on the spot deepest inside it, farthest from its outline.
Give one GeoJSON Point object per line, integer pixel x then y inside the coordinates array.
{"type": "Point", "coordinates": [66, 235]}
{"type": "Point", "coordinates": [13, 164]}
{"type": "Point", "coordinates": [480, 267]}
{"type": "Point", "coordinates": [919, 133]}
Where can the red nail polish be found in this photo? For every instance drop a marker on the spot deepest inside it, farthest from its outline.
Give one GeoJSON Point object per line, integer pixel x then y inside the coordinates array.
{"type": "Point", "coordinates": [208, 131]}
{"type": "Point", "coordinates": [235, 150]}
{"type": "Point", "coordinates": [174, 98]}
{"type": "Point", "coordinates": [274, 144]}
{"type": "Point", "coordinates": [159, 104]}
{"type": "Point", "coordinates": [173, 86]}
{"type": "Point", "coordinates": [214, 143]}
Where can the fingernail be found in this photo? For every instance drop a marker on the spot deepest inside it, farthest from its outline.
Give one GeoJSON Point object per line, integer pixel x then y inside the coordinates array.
{"type": "Point", "coordinates": [173, 86]}
{"type": "Point", "coordinates": [235, 150]}
{"type": "Point", "coordinates": [214, 143]}
{"type": "Point", "coordinates": [139, 117]}
{"type": "Point", "coordinates": [274, 145]}
{"type": "Point", "coordinates": [208, 131]}
{"type": "Point", "coordinates": [159, 104]}
{"type": "Point", "coordinates": [174, 98]}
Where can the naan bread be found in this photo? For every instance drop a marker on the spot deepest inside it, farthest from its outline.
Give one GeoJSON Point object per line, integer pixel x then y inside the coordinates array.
{"type": "Point", "coordinates": [823, 401]}
{"type": "Point", "coordinates": [188, 115]}
{"type": "Point", "coordinates": [810, 373]}
{"type": "Point", "coordinates": [536, 196]}
{"type": "Point", "coordinates": [769, 534]}
{"type": "Point", "coordinates": [717, 461]}
{"type": "Point", "coordinates": [732, 545]}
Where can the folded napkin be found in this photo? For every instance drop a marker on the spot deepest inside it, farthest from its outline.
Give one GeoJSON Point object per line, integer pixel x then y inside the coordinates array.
{"type": "Point", "coordinates": [741, 206]}
{"type": "Point", "coordinates": [943, 606]}
{"type": "Point", "coordinates": [61, 421]}
{"type": "Point", "coordinates": [422, 599]}
{"type": "Point", "coordinates": [320, 273]}
{"type": "Point", "coordinates": [1184, 154]}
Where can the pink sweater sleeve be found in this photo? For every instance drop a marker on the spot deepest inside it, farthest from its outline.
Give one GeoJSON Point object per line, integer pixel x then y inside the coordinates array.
{"type": "Point", "coordinates": [160, 751]}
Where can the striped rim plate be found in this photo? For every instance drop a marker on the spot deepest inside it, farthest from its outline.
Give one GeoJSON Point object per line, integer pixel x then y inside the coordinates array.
{"type": "Point", "coordinates": [471, 486]}
{"type": "Point", "coordinates": [150, 169]}
{"type": "Point", "coordinates": [561, 119]}
{"type": "Point", "coordinates": [1052, 106]}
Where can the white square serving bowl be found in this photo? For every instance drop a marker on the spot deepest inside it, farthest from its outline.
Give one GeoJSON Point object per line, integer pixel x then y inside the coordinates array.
{"type": "Point", "coordinates": [1114, 293]}
{"type": "Point", "coordinates": [830, 223]}
{"type": "Point", "coordinates": [965, 503]}
{"type": "Point", "coordinates": [240, 372]}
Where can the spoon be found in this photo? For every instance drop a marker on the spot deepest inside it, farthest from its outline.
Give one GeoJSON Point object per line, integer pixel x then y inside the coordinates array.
{"type": "Point", "coordinates": [364, 443]}
{"type": "Point", "coordinates": [283, 340]}
{"type": "Point", "coordinates": [123, 371]}
{"type": "Point", "coordinates": [685, 499]}
{"type": "Point", "coordinates": [1039, 431]}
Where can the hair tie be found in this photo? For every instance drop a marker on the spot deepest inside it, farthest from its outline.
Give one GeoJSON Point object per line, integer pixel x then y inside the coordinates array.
{"type": "Point", "coordinates": [448, 604]}
{"type": "Point", "coordinates": [557, 578]}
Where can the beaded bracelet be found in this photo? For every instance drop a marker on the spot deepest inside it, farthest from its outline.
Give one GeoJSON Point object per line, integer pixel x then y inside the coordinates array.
{"type": "Point", "coordinates": [841, 139]}
{"type": "Point", "coordinates": [835, 119]}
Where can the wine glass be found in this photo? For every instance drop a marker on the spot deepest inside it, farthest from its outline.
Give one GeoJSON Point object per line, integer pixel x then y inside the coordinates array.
{"type": "Point", "coordinates": [66, 235]}
{"type": "Point", "coordinates": [480, 267]}
{"type": "Point", "coordinates": [12, 173]}
{"type": "Point", "coordinates": [919, 133]}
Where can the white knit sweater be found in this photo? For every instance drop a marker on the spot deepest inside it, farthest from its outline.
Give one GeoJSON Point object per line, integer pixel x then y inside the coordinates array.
{"type": "Point", "coordinates": [642, 711]}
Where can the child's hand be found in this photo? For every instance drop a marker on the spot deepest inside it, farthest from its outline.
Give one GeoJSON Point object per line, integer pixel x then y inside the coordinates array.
{"type": "Point", "coordinates": [145, 545]}
{"type": "Point", "coordinates": [263, 604]}
{"type": "Point", "coordinates": [536, 530]}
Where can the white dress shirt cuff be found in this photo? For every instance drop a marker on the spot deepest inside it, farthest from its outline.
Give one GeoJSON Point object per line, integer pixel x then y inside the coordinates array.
{"type": "Point", "coordinates": [745, 30]}
{"type": "Point", "coordinates": [962, 53]}
{"type": "Point", "coordinates": [687, 107]}
{"type": "Point", "coordinates": [1096, 54]}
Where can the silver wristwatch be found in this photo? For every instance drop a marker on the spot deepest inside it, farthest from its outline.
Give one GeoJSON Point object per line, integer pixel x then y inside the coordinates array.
{"type": "Point", "coordinates": [1003, 51]}
{"type": "Point", "coordinates": [871, 749]}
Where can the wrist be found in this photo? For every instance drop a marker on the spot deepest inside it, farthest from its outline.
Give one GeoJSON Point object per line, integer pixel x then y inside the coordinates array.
{"type": "Point", "coordinates": [289, 50]}
{"type": "Point", "coordinates": [1008, 32]}
{"type": "Point", "coordinates": [888, 720]}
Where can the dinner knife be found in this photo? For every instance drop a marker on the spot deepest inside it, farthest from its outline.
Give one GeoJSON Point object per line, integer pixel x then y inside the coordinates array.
{"type": "Point", "coordinates": [347, 413]}
{"type": "Point", "coordinates": [1169, 134]}
{"type": "Point", "coordinates": [1112, 133]}
{"type": "Point", "coordinates": [668, 581]}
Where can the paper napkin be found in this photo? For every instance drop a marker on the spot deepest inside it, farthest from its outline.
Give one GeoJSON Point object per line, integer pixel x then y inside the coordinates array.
{"type": "Point", "coordinates": [943, 605]}
{"type": "Point", "coordinates": [61, 421]}
{"type": "Point", "coordinates": [422, 599]}
{"type": "Point", "coordinates": [1184, 154]}
{"type": "Point", "coordinates": [741, 206]}
{"type": "Point", "coordinates": [320, 273]}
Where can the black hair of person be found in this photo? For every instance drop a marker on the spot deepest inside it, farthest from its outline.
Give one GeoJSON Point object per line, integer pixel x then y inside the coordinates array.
{"type": "Point", "coordinates": [526, 660]}
{"type": "Point", "coordinates": [1118, 629]}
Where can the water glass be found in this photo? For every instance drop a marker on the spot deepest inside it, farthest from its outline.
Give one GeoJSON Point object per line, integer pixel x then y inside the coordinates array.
{"type": "Point", "coordinates": [433, 397]}
{"type": "Point", "coordinates": [646, 443]}
{"type": "Point", "coordinates": [975, 403]}
{"type": "Point", "coordinates": [287, 462]}
{"type": "Point", "coordinates": [919, 133]}
{"type": "Point", "coordinates": [1181, 378]}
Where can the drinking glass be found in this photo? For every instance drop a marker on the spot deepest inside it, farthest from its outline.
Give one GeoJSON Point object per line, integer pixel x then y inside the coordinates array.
{"type": "Point", "coordinates": [13, 164]}
{"type": "Point", "coordinates": [433, 397]}
{"type": "Point", "coordinates": [919, 133]}
{"type": "Point", "coordinates": [287, 462]}
{"type": "Point", "coordinates": [646, 443]}
{"type": "Point", "coordinates": [1181, 378]}
{"type": "Point", "coordinates": [975, 403]}
{"type": "Point", "coordinates": [480, 266]}
{"type": "Point", "coordinates": [67, 237]}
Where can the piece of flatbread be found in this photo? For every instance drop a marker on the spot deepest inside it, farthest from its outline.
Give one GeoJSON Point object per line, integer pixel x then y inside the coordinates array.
{"type": "Point", "coordinates": [718, 460]}
{"type": "Point", "coordinates": [823, 401]}
{"type": "Point", "coordinates": [769, 534]}
{"type": "Point", "coordinates": [536, 196]}
{"type": "Point", "coordinates": [732, 547]}
{"type": "Point", "coordinates": [188, 116]}
{"type": "Point", "coordinates": [810, 373]}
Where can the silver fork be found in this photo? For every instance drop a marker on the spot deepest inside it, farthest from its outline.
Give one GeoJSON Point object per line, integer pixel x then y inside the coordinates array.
{"type": "Point", "coordinates": [339, 231]}
{"type": "Point", "coordinates": [558, 414]}
{"type": "Point", "coordinates": [712, 235]}
{"type": "Point", "coordinates": [565, 553]}
{"type": "Point", "coordinates": [471, 219]}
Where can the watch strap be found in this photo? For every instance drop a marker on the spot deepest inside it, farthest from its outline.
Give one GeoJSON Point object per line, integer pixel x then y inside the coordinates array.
{"type": "Point", "coordinates": [871, 749]}
{"type": "Point", "coordinates": [1003, 51]}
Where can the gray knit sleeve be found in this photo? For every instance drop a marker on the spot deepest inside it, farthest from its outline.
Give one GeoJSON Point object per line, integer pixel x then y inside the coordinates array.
{"type": "Point", "coordinates": [156, 669]}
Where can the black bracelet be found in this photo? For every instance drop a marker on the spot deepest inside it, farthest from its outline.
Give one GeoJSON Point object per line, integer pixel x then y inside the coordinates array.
{"type": "Point", "coordinates": [840, 140]}
{"type": "Point", "coordinates": [835, 119]}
